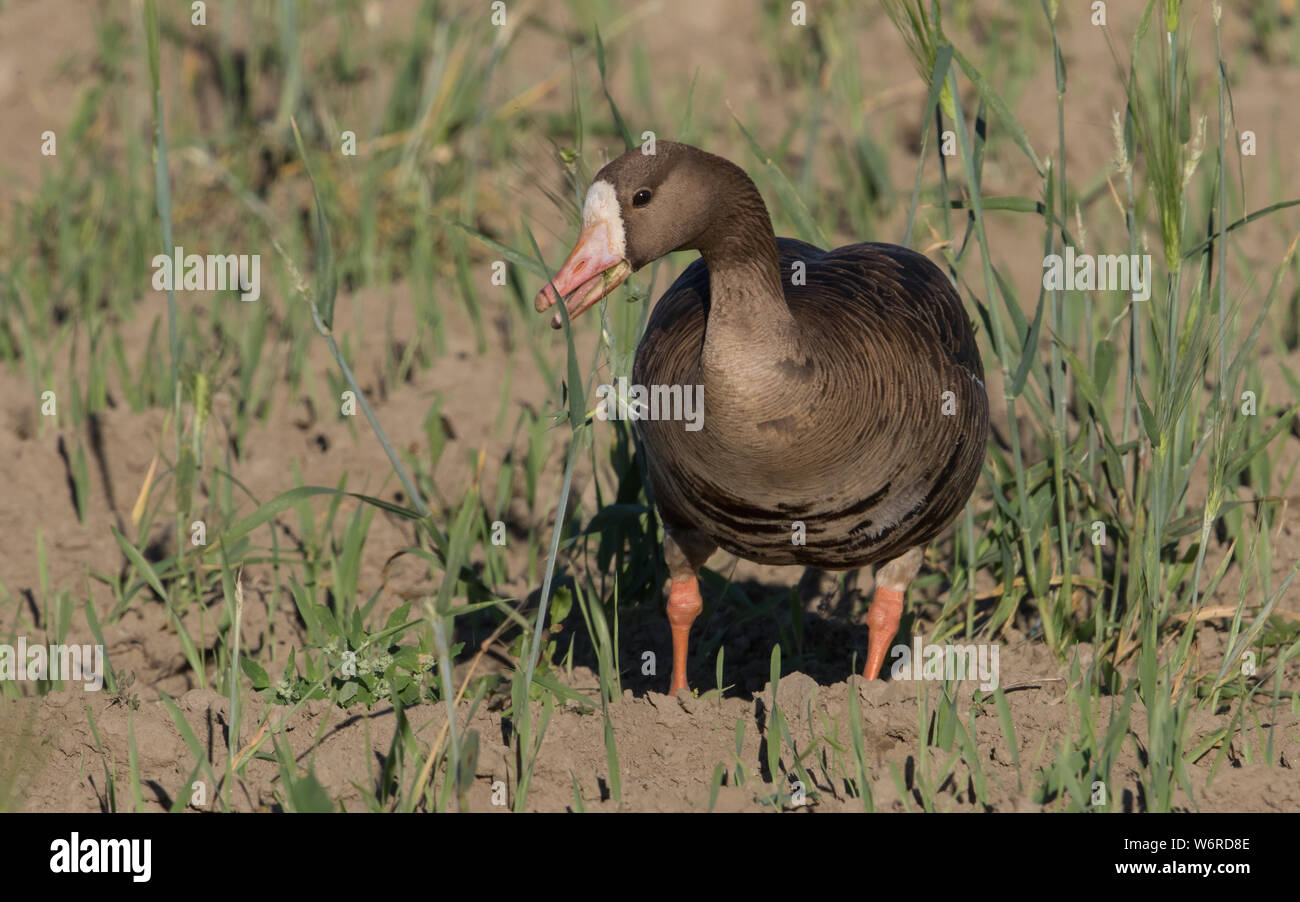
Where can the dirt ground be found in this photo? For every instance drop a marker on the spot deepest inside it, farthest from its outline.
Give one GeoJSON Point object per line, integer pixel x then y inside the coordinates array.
{"type": "Point", "coordinates": [668, 747]}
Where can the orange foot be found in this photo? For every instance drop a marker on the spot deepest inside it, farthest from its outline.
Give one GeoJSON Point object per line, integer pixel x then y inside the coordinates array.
{"type": "Point", "coordinates": [886, 610]}
{"type": "Point", "coordinates": [684, 605]}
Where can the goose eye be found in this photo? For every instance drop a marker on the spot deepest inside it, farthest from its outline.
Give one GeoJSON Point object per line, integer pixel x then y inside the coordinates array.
{"type": "Point", "coordinates": [641, 198]}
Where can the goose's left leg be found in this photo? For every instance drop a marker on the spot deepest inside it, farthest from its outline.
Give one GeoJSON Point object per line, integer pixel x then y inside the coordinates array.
{"type": "Point", "coordinates": [685, 551]}
{"type": "Point", "coordinates": [886, 609]}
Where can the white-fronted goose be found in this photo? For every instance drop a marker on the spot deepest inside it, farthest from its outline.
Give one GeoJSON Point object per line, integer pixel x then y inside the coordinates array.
{"type": "Point", "coordinates": [844, 399]}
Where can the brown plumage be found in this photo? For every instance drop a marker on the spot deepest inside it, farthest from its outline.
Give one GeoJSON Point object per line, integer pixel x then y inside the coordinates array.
{"type": "Point", "coordinates": [842, 389]}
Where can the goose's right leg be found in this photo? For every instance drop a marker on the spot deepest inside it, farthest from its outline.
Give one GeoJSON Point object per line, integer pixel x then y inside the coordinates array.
{"type": "Point", "coordinates": [892, 580]}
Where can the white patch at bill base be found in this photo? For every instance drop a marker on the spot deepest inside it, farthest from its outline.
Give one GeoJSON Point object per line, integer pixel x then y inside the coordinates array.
{"type": "Point", "coordinates": [601, 205]}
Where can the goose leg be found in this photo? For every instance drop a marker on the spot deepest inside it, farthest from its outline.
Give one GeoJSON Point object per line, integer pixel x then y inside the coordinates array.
{"type": "Point", "coordinates": [887, 607]}
{"type": "Point", "coordinates": [685, 551]}
{"type": "Point", "coordinates": [684, 605]}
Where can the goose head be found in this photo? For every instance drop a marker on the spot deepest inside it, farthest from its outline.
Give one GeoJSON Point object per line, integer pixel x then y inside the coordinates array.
{"type": "Point", "coordinates": [639, 208]}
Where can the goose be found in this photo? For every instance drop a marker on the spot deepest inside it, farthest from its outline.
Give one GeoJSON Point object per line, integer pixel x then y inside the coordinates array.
{"type": "Point", "coordinates": [844, 412]}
